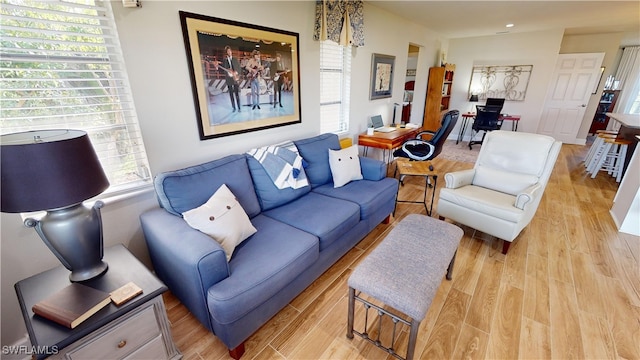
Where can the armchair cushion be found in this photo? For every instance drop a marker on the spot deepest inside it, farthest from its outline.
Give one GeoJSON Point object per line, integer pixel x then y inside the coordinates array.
{"type": "Point", "coordinates": [484, 201]}
{"type": "Point", "coordinates": [531, 157]}
{"type": "Point", "coordinates": [504, 181]}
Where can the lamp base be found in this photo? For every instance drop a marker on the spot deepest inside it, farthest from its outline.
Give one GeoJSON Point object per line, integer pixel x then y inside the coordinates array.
{"type": "Point", "coordinates": [89, 273]}
{"type": "Point", "coordinates": [74, 235]}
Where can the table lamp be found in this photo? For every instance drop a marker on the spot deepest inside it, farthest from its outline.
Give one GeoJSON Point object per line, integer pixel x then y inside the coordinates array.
{"type": "Point", "coordinates": [56, 170]}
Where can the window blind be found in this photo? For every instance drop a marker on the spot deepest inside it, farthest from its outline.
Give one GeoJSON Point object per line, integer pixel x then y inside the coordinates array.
{"type": "Point", "coordinates": [61, 66]}
{"type": "Point", "coordinates": [335, 87]}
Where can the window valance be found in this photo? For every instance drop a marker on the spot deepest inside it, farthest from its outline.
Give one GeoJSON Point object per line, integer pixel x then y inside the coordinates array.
{"type": "Point", "coordinates": [340, 21]}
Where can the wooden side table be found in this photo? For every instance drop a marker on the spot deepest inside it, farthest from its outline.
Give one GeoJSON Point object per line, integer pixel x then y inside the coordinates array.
{"type": "Point", "coordinates": [404, 168]}
{"type": "Point", "coordinates": [137, 329]}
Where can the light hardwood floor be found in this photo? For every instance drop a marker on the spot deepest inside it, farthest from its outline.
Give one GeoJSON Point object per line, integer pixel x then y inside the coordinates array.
{"type": "Point", "coordinates": [569, 288]}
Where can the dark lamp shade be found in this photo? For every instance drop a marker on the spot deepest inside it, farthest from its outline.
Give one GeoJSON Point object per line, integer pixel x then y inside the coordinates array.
{"type": "Point", "coordinates": [473, 98]}
{"type": "Point", "coordinates": [48, 169]}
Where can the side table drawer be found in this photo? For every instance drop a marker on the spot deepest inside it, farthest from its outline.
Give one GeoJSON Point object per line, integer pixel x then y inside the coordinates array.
{"type": "Point", "coordinates": [127, 336]}
{"type": "Point", "coordinates": [153, 350]}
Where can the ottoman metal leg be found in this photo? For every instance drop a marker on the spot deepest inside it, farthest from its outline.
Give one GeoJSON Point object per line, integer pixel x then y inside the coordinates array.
{"type": "Point", "coordinates": [352, 300]}
{"type": "Point", "coordinates": [413, 336]}
{"type": "Point", "coordinates": [450, 268]}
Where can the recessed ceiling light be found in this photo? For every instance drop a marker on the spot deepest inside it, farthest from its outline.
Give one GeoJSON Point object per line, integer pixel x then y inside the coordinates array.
{"type": "Point", "coordinates": [510, 25]}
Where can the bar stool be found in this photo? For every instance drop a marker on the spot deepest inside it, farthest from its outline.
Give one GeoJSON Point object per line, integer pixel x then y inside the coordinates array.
{"type": "Point", "coordinates": [612, 158]}
{"type": "Point", "coordinates": [597, 145]}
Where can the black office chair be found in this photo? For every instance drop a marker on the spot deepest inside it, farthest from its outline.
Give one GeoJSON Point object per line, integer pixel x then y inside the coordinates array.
{"type": "Point", "coordinates": [423, 150]}
{"type": "Point", "coordinates": [487, 119]}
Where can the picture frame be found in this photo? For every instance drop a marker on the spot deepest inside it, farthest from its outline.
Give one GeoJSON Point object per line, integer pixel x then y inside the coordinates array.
{"type": "Point", "coordinates": [382, 67]}
{"type": "Point", "coordinates": [240, 94]}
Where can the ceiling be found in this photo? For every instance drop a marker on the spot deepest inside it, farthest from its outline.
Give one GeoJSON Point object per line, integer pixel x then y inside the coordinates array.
{"type": "Point", "coordinates": [459, 19]}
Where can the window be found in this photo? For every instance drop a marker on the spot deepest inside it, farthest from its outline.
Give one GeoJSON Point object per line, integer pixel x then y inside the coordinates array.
{"type": "Point", "coordinates": [335, 82]}
{"type": "Point", "coordinates": [61, 66]}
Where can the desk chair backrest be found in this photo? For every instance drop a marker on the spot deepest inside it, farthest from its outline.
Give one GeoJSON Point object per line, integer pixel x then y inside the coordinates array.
{"type": "Point", "coordinates": [487, 118]}
{"type": "Point", "coordinates": [423, 150]}
{"type": "Point", "coordinates": [449, 120]}
{"type": "Point", "coordinates": [499, 102]}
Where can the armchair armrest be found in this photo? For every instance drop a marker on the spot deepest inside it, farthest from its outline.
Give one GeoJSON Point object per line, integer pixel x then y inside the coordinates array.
{"type": "Point", "coordinates": [458, 179]}
{"type": "Point", "coordinates": [187, 260]}
{"type": "Point", "coordinates": [527, 196]}
{"type": "Point", "coordinates": [372, 169]}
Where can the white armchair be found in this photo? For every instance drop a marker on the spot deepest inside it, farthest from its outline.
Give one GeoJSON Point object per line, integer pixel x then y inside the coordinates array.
{"type": "Point", "coordinates": [500, 195]}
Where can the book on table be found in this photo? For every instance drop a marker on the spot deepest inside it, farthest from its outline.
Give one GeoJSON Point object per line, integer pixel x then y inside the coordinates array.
{"type": "Point", "coordinates": [72, 305]}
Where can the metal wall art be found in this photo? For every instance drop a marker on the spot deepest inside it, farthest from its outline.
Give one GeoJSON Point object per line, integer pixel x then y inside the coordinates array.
{"type": "Point", "coordinates": [244, 77]}
{"type": "Point", "coordinates": [500, 81]}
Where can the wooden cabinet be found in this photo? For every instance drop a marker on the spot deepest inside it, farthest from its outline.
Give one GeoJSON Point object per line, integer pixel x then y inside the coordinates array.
{"type": "Point", "coordinates": [439, 89]}
{"type": "Point", "coordinates": [607, 102]}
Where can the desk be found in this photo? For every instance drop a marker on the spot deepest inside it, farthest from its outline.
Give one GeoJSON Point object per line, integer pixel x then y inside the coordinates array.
{"type": "Point", "coordinates": [387, 141]}
{"type": "Point", "coordinates": [470, 115]}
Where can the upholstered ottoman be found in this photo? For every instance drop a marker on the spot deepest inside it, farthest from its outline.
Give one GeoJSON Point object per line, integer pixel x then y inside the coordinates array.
{"type": "Point", "coordinates": [404, 272]}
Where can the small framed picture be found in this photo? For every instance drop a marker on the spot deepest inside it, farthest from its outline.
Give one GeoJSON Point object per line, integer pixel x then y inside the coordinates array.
{"type": "Point", "coordinates": [381, 76]}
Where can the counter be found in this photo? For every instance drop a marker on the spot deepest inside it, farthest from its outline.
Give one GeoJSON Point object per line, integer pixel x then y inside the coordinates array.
{"type": "Point", "coordinates": [626, 204]}
{"type": "Point", "coordinates": [629, 128]}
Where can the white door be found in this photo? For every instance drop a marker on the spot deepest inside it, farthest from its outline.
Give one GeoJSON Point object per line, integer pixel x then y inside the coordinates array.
{"type": "Point", "coordinates": [573, 81]}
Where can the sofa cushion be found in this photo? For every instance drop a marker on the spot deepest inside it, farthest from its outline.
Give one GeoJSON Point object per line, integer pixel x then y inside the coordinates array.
{"type": "Point", "coordinates": [222, 218]}
{"type": "Point", "coordinates": [268, 193]}
{"type": "Point", "coordinates": [323, 216]}
{"type": "Point", "coordinates": [315, 152]}
{"type": "Point", "coordinates": [185, 189]}
{"type": "Point", "coordinates": [344, 165]}
{"type": "Point", "coordinates": [369, 195]}
{"type": "Point", "coordinates": [261, 267]}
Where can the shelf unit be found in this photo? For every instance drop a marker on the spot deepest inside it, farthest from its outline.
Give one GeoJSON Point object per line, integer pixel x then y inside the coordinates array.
{"type": "Point", "coordinates": [439, 89]}
{"type": "Point", "coordinates": [607, 102]}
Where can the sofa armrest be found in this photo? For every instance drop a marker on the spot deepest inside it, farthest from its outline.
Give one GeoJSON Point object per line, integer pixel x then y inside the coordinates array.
{"type": "Point", "coordinates": [187, 260]}
{"type": "Point", "coordinates": [527, 196]}
{"type": "Point", "coordinates": [458, 179]}
{"type": "Point", "coordinates": [372, 169]}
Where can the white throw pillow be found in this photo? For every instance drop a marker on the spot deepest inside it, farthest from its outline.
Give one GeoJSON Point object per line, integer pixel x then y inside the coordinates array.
{"type": "Point", "coordinates": [223, 218]}
{"type": "Point", "coordinates": [345, 165]}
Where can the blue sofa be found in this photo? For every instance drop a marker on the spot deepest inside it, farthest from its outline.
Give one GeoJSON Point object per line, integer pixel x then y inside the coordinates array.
{"type": "Point", "coordinates": [300, 234]}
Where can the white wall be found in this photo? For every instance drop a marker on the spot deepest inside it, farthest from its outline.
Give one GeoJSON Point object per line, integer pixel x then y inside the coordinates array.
{"type": "Point", "coordinates": [154, 52]}
{"type": "Point", "coordinates": [539, 49]}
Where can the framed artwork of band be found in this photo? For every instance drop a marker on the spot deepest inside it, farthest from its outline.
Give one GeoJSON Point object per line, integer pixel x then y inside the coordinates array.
{"type": "Point", "coordinates": [244, 77]}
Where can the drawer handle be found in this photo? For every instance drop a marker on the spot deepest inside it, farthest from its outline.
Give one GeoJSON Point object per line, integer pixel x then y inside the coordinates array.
{"type": "Point", "coordinates": [122, 344]}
